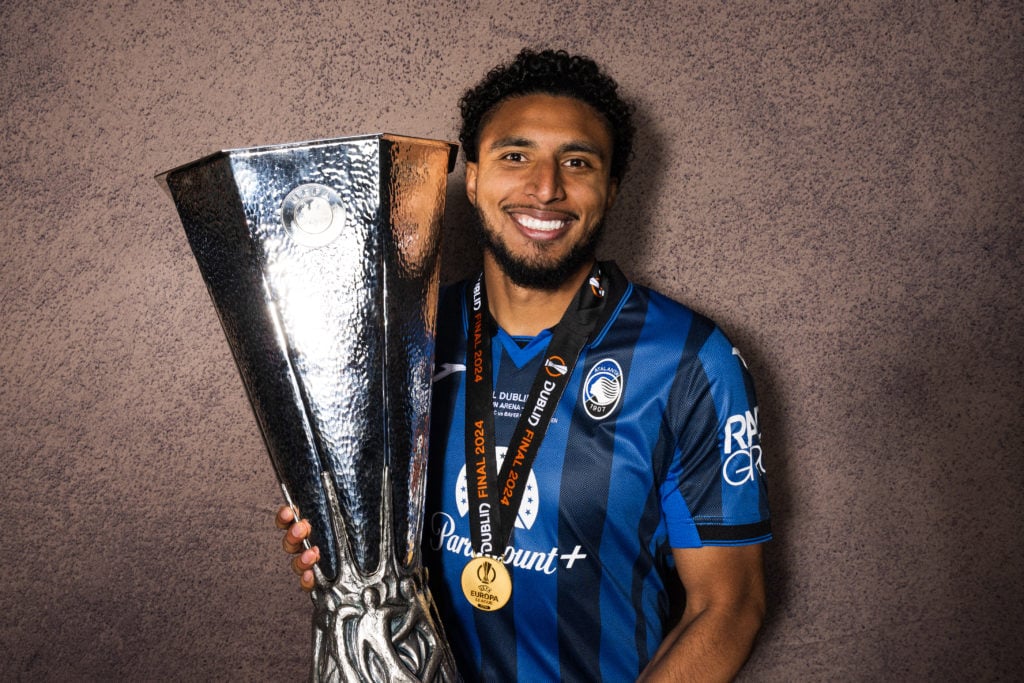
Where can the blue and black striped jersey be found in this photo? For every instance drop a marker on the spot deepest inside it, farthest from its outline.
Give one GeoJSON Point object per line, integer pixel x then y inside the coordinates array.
{"type": "Point", "coordinates": [654, 445]}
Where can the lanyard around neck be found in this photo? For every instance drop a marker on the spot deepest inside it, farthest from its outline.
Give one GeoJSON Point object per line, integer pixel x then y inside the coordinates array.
{"type": "Point", "coordinates": [495, 496]}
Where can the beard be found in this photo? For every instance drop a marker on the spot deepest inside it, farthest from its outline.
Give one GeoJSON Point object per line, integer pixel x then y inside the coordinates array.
{"type": "Point", "coordinates": [535, 273]}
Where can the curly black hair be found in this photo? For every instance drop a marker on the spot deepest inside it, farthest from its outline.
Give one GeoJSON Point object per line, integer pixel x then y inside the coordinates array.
{"type": "Point", "coordinates": [552, 72]}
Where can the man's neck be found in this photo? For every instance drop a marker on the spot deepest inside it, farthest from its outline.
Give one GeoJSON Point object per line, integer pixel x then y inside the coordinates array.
{"type": "Point", "coordinates": [526, 312]}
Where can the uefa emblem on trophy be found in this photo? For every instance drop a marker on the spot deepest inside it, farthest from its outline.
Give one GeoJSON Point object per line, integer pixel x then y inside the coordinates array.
{"type": "Point", "coordinates": [322, 261]}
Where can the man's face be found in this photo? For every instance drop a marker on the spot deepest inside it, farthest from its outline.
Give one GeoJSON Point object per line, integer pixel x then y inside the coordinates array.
{"type": "Point", "coordinates": [541, 187]}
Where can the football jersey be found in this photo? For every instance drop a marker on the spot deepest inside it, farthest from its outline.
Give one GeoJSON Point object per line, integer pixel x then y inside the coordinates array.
{"type": "Point", "coordinates": [654, 445]}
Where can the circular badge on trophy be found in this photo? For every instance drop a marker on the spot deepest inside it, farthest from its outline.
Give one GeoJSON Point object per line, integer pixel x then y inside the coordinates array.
{"type": "Point", "coordinates": [313, 215]}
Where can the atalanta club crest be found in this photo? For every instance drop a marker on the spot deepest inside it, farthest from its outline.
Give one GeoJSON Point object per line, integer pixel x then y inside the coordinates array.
{"type": "Point", "coordinates": [602, 389]}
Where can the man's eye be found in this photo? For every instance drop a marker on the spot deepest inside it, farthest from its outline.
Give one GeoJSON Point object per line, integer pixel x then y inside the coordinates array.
{"type": "Point", "coordinates": [577, 163]}
{"type": "Point", "coordinates": [513, 156]}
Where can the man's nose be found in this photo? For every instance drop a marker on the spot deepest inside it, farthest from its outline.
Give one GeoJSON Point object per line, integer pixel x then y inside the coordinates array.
{"type": "Point", "coordinates": [545, 183]}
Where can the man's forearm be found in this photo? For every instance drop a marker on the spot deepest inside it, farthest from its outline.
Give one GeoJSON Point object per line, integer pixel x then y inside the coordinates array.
{"type": "Point", "coordinates": [709, 645]}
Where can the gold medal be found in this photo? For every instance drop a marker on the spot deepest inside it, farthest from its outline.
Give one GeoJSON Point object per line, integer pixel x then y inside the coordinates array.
{"type": "Point", "coordinates": [486, 583]}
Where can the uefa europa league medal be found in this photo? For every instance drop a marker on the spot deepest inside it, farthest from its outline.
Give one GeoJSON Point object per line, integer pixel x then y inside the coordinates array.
{"type": "Point", "coordinates": [322, 261]}
{"type": "Point", "coordinates": [486, 583]}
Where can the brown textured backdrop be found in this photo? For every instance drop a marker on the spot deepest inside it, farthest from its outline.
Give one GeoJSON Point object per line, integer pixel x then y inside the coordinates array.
{"type": "Point", "coordinates": [838, 184]}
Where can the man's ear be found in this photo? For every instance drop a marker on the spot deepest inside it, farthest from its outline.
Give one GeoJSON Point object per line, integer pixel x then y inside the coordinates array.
{"type": "Point", "coordinates": [613, 192]}
{"type": "Point", "coordinates": [471, 182]}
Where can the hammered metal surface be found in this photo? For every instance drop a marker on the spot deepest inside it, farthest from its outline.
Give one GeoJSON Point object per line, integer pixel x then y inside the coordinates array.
{"type": "Point", "coordinates": [334, 342]}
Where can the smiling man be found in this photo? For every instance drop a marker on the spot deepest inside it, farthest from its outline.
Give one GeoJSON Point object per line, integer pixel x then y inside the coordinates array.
{"type": "Point", "coordinates": [601, 444]}
{"type": "Point", "coordinates": [541, 183]}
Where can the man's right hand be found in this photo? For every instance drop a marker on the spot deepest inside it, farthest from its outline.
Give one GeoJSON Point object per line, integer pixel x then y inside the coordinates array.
{"type": "Point", "coordinates": [304, 558]}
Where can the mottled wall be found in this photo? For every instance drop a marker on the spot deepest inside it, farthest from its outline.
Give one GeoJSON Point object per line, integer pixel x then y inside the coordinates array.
{"type": "Point", "coordinates": [838, 184]}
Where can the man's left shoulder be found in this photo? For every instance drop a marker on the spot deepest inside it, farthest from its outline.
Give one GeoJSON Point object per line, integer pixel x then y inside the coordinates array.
{"type": "Point", "coordinates": [671, 316]}
{"type": "Point", "coordinates": [664, 302]}
{"type": "Point", "coordinates": [672, 322]}
{"type": "Point", "coordinates": [639, 295]}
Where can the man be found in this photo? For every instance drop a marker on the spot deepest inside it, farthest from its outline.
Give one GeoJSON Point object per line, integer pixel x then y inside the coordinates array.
{"type": "Point", "coordinates": [591, 440]}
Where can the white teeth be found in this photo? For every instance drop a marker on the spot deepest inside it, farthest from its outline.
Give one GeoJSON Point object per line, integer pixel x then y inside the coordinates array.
{"type": "Point", "coordinates": [537, 224]}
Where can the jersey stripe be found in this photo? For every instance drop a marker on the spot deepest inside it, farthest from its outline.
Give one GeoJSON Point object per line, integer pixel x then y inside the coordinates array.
{"type": "Point", "coordinates": [585, 483]}
{"type": "Point", "coordinates": [650, 574]}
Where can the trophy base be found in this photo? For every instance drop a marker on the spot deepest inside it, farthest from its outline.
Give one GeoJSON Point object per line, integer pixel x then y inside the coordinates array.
{"type": "Point", "coordinates": [379, 627]}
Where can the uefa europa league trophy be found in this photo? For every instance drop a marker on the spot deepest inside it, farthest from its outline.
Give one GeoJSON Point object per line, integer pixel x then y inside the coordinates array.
{"type": "Point", "coordinates": [322, 261]}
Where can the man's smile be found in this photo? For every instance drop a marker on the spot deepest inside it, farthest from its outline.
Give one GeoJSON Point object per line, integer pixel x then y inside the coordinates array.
{"type": "Point", "coordinates": [542, 221]}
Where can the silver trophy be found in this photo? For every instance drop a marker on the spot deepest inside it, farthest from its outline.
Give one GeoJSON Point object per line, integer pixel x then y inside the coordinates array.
{"type": "Point", "coordinates": [322, 261]}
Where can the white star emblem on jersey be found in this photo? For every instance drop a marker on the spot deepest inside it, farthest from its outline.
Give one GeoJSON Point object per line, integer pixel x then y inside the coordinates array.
{"type": "Point", "coordinates": [527, 510]}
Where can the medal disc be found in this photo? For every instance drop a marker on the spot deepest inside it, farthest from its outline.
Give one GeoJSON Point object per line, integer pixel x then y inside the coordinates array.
{"type": "Point", "coordinates": [486, 583]}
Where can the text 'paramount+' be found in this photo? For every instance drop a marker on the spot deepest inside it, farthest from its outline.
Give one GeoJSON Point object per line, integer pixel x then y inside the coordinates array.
{"type": "Point", "coordinates": [444, 536]}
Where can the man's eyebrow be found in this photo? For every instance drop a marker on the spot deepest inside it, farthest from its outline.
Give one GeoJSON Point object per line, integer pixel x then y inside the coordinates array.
{"type": "Point", "coordinates": [571, 146]}
{"type": "Point", "coordinates": [581, 146]}
{"type": "Point", "coordinates": [513, 141]}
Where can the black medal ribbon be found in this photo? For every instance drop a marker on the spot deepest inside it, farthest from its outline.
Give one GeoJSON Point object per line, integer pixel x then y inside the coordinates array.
{"type": "Point", "coordinates": [495, 496]}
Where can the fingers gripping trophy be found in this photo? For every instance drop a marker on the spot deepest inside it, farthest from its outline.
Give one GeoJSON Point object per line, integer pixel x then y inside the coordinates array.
{"type": "Point", "coordinates": [322, 261]}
